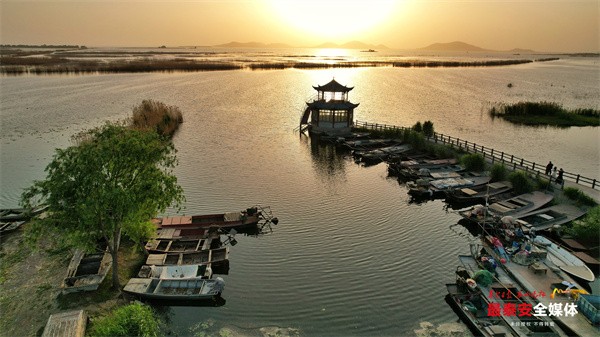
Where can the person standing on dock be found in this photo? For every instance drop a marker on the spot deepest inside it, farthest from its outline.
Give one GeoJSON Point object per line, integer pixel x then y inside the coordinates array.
{"type": "Point", "coordinates": [549, 168]}
{"type": "Point", "coordinates": [554, 174]}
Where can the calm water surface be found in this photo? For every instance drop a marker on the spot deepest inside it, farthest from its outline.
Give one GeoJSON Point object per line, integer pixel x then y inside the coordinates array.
{"type": "Point", "coordinates": [351, 256]}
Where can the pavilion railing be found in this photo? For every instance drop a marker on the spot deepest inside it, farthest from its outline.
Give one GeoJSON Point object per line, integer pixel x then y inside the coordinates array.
{"type": "Point", "coordinates": [510, 161]}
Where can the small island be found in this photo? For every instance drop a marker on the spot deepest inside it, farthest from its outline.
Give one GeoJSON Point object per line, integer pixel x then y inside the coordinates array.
{"type": "Point", "coordinates": [545, 113]}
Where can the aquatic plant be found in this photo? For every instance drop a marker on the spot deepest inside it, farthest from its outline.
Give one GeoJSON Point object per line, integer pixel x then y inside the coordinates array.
{"type": "Point", "coordinates": [545, 113]}
{"type": "Point", "coordinates": [135, 319]}
{"type": "Point", "coordinates": [158, 116]}
{"type": "Point", "coordinates": [473, 162]}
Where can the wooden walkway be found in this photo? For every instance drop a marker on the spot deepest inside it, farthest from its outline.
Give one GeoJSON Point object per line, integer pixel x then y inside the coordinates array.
{"type": "Point", "coordinates": [511, 161]}
{"type": "Point", "coordinates": [66, 324]}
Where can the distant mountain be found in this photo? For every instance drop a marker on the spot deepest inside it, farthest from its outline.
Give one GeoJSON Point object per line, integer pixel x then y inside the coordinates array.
{"type": "Point", "coordinates": [465, 47]}
{"type": "Point", "coordinates": [351, 45]}
{"type": "Point", "coordinates": [236, 44]}
{"type": "Point", "coordinates": [453, 46]}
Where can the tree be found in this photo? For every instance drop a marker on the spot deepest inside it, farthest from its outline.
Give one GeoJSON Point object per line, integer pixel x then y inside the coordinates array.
{"type": "Point", "coordinates": [428, 128]}
{"type": "Point", "coordinates": [110, 184]}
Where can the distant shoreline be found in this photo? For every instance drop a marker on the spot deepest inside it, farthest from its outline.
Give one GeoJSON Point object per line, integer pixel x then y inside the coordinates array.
{"type": "Point", "coordinates": [19, 65]}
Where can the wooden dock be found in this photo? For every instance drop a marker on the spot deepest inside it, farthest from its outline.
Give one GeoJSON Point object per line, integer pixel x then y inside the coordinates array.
{"type": "Point", "coordinates": [66, 324]}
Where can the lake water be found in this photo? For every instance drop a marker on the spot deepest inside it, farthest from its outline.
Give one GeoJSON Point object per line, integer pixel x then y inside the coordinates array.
{"type": "Point", "coordinates": [350, 256]}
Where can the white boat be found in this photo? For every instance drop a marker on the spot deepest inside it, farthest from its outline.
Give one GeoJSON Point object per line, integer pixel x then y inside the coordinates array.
{"type": "Point", "coordinates": [176, 272]}
{"type": "Point", "coordinates": [563, 259]}
{"type": "Point", "coordinates": [190, 289]}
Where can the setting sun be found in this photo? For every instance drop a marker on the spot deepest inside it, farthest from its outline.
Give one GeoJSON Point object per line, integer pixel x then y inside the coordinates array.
{"type": "Point", "coordinates": [333, 19]}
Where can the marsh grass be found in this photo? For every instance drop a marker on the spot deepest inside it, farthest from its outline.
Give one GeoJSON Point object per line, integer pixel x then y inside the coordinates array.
{"type": "Point", "coordinates": [545, 113]}
{"type": "Point", "coordinates": [158, 116]}
{"type": "Point", "coordinates": [16, 62]}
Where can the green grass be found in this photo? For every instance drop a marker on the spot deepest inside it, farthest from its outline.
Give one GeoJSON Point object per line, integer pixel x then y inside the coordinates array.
{"type": "Point", "coordinates": [545, 113]}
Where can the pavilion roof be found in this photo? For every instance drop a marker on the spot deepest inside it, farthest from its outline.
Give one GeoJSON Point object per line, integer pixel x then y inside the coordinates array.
{"type": "Point", "coordinates": [332, 105]}
{"type": "Point", "coordinates": [333, 86]}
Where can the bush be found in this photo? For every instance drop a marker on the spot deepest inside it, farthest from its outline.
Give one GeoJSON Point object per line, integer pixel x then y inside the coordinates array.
{"type": "Point", "coordinates": [587, 228]}
{"type": "Point", "coordinates": [498, 172]}
{"type": "Point", "coordinates": [473, 162]}
{"type": "Point", "coordinates": [418, 127]}
{"type": "Point", "coordinates": [520, 181]}
{"type": "Point", "coordinates": [579, 197]}
{"type": "Point", "coordinates": [428, 128]}
{"type": "Point", "coordinates": [135, 319]}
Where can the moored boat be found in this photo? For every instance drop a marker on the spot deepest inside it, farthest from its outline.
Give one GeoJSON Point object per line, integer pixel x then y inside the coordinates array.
{"type": "Point", "coordinates": [478, 194]}
{"type": "Point", "coordinates": [472, 309]}
{"type": "Point", "coordinates": [191, 289]}
{"type": "Point", "coordinates": [212, 256]}
{"type": "Point", "coordinates": [553, 216]}
{"type": "Point", "coordinates": [514, 206]}
{"type": "Point", "coordinates": [20, 214]}
{"type": "Point", "coordinates": [564, 259]}
{"type": "Point", "coordinates": [202, 271]}
{"type": "Point", "coordinates": [438, 187]}
{"type": "Point", "coordinates": [86, 271]}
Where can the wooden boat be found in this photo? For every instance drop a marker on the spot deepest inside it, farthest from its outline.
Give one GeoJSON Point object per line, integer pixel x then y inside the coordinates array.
{"type": "Point", "coordinates": [515, 206]}
{"type": "Point", "coordinates": [414, 164]}
{"type": "Point", "coordinates": [86, 271]}
{"type": "Point", "coordinates": [380, 154]}
{"type": "Point", "coordinates": [438, 187]}
{"type": "Point", "coordinates": [6, 227]}
{"type": "Point", "coordinates": [191, 289]}
{"type": "Point", "coordinates": [247, 217]}
{"type": "Point", "coordinates": [364, 144]}
{"type": "Point", "coordinates": [211, 256]}
{"type": "Point", "coordinates": [472, 309]}
{"type": "Point", "coordinates": [504, 290]}
{"type": "Point", "coordinates": [478, 194]}
{"type": "Point", "coordinates": [20, 214]}
{"type": "Point", "coordinates": [202, 271]}
{"type": "Point", "coordinates": [564, 259]}
{"type": "Point", "coordinates": [181, 245]}
{"type": "Point", "coordinates": [549, 217]}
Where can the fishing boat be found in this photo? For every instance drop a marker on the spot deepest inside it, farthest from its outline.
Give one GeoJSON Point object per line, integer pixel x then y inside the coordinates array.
{"type": "Point", "coordinates": [472, 309]}
{"type": "Point", "coordinates": [549, 217]}
{"type": "Point", "coordinates": [247, 218]}
{"type": "Point", "coordinates": [212, 256]}
{"type": "Point", "coordinates": [531, 272]}
{"type": "Point", "coordinates": [377, 155]}
{"type": "Point", "coordinates": [502, 289]}
{"type": "Point", "coordinates": [190, 289]}
{"type": "Point", "coordinates": [6, 227]}
{"type": "Point", "coordinates": [86, 271]}
{"type": "Point", "coordinates": [202, 271]}
{"type": "Point", "coordinates": [514, 206]}
{"type": "Point", "coordinates": [181, 245]}
{"type": "Point", "coordinates": [438, 187]}
{"type": "Point", "coordinates": [478, 194]}
{"type": "Point", "coordinates": [20, 214]}
{"type": "Point", "coordinates": [564, 259]}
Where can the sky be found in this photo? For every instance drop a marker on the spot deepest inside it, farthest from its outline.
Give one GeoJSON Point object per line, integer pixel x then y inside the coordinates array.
{"type": "Point", "coordinates": [541, 25]}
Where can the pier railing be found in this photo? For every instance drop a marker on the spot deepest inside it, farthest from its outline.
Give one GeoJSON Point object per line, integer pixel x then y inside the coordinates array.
{"type": "Point", "coordinates": [510, 161]}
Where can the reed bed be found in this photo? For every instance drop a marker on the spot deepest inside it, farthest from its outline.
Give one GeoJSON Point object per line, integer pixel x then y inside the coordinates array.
{"type": "Point", "coordinates": [61, 63]}
{"type": "Point", "coordinates": [545, 113]}
{"type": "Point", "coordinates": [158, 116]}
